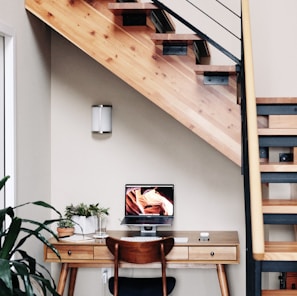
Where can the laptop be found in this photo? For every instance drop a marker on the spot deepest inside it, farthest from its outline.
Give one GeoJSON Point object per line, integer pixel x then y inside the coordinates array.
{"type": "Point", "coordinates": [149, 204]}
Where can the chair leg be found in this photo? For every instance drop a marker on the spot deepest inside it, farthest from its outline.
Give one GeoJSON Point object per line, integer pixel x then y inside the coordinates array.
{"type": "Point", "coordinates": [164, 280]}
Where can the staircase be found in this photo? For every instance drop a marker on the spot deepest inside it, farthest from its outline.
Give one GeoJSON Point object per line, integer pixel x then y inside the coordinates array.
{"type": "Point", "coordinates": [276, 202]}
{"type": "Point", "coordinates": [270, 174]}
{"type": "Point", "coordinates": [135, 53]}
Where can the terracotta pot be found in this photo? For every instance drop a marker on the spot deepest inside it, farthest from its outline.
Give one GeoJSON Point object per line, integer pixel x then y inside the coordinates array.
{"type": "Point", "coordinates": [65, 231]}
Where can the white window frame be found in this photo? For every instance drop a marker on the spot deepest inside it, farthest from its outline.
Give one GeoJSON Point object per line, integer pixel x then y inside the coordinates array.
{"type": "Point", "coordinates": [9, 110]}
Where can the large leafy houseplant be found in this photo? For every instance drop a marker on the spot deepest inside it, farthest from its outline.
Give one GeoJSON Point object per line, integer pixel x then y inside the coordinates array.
{"type": "Point", "coordinates": [18, 269]}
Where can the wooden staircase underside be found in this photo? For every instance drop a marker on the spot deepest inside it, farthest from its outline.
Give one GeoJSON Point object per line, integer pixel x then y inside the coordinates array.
{"type": "Point", "coordinates": [210, 111]}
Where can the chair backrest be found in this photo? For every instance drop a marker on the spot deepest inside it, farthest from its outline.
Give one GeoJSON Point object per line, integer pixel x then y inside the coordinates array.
{"type": "Point", "coordinates": [140, 253]}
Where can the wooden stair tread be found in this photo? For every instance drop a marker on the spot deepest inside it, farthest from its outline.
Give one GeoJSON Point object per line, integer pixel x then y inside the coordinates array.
{"type": "Point", "coordinates": [277, 100]}
{"type": "Point", "coordinates": [278, 167]}
{"type": "Point", "coordinates": [119, 7]}
{"type": "Point", "coordinates": [279, 292]}
{"type": "Point", "coordinates": [201, 69]}
{"type": "Point", "coordinates": [281, 247]}
{"type": "Point", "coordinates": [277, 132]}
{"type": "Point", "coordinates": [279, 251]}
{"type": "Point", "coordinates": [279, 206]}
{"type": "Point", "coordinates": [189, 38]}
{"type": "Point", "coordinates": [184, 39]}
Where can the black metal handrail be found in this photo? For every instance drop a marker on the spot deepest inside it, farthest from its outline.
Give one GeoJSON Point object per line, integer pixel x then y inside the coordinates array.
{"type": "Point", "coordinates": [226, 7]}
{"type": "Point", "coordinates": [214, 20]}
{"type": "Point", "coordinates": [202, 34]}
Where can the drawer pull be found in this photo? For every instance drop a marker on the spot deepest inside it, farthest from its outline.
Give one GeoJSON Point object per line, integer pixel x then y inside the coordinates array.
{"type": "Point", "coordinates": [212, 253]}
{"type": "Point", "coordinates": [69, 252]}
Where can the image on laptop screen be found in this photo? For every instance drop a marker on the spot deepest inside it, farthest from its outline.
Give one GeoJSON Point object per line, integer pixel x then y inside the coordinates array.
{"type": "Point", "coordinates": [149, 201]}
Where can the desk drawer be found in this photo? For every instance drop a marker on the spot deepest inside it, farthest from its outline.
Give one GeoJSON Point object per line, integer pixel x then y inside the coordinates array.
{"type": "Point", "coordinates": [178, 253]}
{"type": "Point", "coordinates": [101, 252]}
{"type": "Point", "coordinates": [74, 252]}
{"type": "Point", "coordinates": [212, 253]}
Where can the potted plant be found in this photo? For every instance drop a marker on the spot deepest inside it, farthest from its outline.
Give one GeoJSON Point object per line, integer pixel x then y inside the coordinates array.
{"type": "Point", "coordinates": [19, 271]}
{"type": "Point", "coordinates": [85, 216]}
{"type": "Point", "coordinates": [65, 228]}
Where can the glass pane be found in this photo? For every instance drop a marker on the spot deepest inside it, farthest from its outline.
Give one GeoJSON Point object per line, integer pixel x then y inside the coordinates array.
{"type": "Point", "coordinates": [1, 116]}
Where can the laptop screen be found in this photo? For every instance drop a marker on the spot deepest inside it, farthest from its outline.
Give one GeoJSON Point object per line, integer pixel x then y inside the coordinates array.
{"type": "Point", "coordinates": [149, 200]}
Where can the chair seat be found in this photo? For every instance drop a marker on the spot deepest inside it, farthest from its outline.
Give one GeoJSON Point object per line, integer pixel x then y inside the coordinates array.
{"type": "Point", "coordinates": [141, 286]}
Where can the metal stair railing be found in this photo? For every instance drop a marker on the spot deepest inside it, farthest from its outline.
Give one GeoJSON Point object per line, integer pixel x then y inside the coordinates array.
{"type": "Point", "coordinates": [251, 166]}
{"type": "Point", "coordinates": [252, 138]}
{"type": "Point", "coordinates": [213, 20]}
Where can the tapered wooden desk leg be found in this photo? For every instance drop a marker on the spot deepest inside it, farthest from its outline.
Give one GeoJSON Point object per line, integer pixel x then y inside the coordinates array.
{"type": "Point", "coordinates": [223, 279]}
{"type": "Point", "coordinates": [63, 278]}
{"type": "Point", "coordinates": [73, 273]}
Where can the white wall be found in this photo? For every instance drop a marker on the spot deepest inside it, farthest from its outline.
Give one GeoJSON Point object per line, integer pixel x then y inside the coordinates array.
{"type": "Point", "coordinates": [32, 60]}
{"type": "Point", "coordinates": [146, 145]}
{"type": "Point", "coordinates": [273, 25]}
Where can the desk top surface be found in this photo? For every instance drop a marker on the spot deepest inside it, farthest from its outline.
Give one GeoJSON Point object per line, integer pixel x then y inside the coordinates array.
{"type": "Point", "coordinates": [215, 237]}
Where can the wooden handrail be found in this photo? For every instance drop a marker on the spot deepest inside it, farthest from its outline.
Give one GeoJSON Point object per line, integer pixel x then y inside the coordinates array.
{"type": "Point", "coordinates": [253, 142]}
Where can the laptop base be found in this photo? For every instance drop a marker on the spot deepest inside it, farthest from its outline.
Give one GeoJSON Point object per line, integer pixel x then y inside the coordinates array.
{"type": "Point", "coordinates": [148, 230]}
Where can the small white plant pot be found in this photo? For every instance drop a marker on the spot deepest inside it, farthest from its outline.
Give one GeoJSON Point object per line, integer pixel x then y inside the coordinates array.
{"type": "Point", "coordinates": [86, 225]}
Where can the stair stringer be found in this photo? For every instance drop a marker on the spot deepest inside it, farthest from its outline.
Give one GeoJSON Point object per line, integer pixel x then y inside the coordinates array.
{"type": "Point", "coordinates": [205, 110]}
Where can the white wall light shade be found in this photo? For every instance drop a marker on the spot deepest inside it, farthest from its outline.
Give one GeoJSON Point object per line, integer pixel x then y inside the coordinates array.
{"type": "Point", "coordinates": [101, 119]}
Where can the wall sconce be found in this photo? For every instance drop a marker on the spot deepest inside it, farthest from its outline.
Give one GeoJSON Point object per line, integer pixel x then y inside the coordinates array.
{"type": "Point", "coordinates": [101, 119]}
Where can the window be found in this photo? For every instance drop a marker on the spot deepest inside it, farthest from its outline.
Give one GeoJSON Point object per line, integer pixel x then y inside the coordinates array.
{"type": "Point", "coordinates": [7, 114]}
{"type": "Point", "coordinates": [2, 166]}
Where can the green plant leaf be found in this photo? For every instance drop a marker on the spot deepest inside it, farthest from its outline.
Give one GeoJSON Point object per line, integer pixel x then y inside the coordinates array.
{"type": "Point", "coordinates": [7, 211]}
{"type": "Point", "coordinates": [30, 269]}
{"type": "Point", "coordinates": [41, 204]}
{"type": "Point", "coordinates": [22, 271]}
{"type": "Point", "coordinates": [44, 283]}
{"type": "Point", "coordinates": [10, 238]}
{"type": "Point", "coordinates": [40, 237]}
{"type": "Point", "coordinates": [46, 205]}
{"type": "Point", "coordinates": [3, 181]}
{"type": "Point", "coordinates": [4, 291]}
{"type": "Point", "coordinates": [47, 280]}
{"type": "Point", "coordinates": [42, 226]}
{"type": "Point", "coordinates": [5, 275]}
{"type": "Point", "coordinates": [3, 212]}
{"type": "Point", "coordinates": [31, 262]}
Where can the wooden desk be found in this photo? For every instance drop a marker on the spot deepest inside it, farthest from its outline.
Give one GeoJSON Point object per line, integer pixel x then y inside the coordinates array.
{"type": "Point", "coordinates": [222, 248]}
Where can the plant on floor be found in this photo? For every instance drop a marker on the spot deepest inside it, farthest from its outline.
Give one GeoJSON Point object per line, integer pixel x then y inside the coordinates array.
{"type": "Point", "coordinates": [18, 269]}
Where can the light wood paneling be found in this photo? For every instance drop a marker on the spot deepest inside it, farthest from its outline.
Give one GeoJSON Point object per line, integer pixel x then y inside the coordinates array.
{"type": "Point", "coordinates": [283, 121]}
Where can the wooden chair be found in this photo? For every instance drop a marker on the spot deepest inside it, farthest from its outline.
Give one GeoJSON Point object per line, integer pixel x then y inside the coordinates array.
{"type": "Point", "coordinates": [140, 253]}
